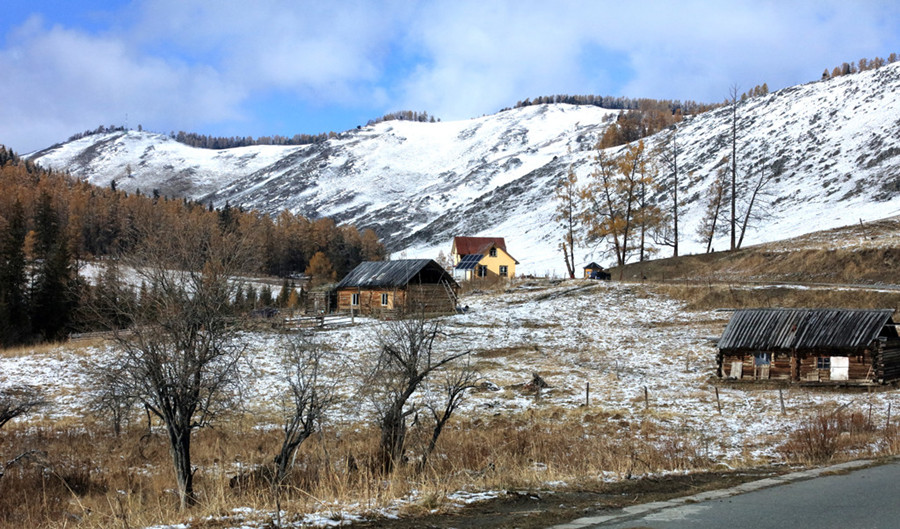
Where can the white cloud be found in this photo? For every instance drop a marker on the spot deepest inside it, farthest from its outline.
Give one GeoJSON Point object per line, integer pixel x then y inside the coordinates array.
{"type": "Point", "coordinates": [65, 81]}
{"type": "Point", "coordinates": [182, 64]}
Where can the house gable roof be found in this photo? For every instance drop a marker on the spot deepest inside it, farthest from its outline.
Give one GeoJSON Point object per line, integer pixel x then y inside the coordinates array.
{"type": "Point", "coordinates": [593, 266]}
{"type": "Point", "coordinates": [479, 245]}
{"type": "Point", "coordinates": [393, 274]}
{"type": "Point", "coordinates": [804, 329]}
{"type": "Point", "coordinates": [473, 245]}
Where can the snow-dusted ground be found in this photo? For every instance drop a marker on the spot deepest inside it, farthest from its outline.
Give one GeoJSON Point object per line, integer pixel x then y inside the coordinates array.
{"type": "Point", "coordinates": [620, 338]}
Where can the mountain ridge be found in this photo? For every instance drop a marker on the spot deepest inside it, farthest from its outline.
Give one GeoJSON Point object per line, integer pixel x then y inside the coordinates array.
{"type": "Point", "coordinates": [834, 144]}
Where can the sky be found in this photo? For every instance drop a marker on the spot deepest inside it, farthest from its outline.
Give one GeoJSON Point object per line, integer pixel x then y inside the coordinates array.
{"type": "Point", "coordinates": [238, 68]}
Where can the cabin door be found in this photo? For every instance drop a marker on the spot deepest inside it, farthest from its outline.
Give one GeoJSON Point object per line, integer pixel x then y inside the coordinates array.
{"type": "Point", "coordinates": [840, 368]}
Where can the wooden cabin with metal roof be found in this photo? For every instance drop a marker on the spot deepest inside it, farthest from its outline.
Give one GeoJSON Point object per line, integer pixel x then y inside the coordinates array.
{"type": "Point", "coordinates": [420, 285]}
{"type": "Point", "coordinates": [811, 346]}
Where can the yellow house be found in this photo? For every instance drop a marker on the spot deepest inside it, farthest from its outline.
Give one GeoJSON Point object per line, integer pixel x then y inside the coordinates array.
{"type": "Point", "coordinates": [482, 258]}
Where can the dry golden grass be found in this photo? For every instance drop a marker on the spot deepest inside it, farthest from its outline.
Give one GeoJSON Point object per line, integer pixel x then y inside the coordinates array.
{"type": "Point", "coordinates": [78, 346]}
{"type": "Point", "coordinates": [867, 254]}
{"type": "Point", "coordinates": [82, 476]}
{"type": "Point", "coordinates": [28, 350]}
{"type": "Point", "coordinates": [713, 296]}
{"type": "Point", "coordinates": [85, 477]}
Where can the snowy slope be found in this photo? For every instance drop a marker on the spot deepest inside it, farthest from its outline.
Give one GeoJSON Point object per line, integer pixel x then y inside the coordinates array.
{"type": "Point", "coordinates": [148, 161]}
{"type": "Point", "coordinates": [835, 144]}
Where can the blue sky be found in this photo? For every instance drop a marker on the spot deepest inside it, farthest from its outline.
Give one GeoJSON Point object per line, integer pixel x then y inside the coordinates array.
{"type": "Point", "coordinates": [232, 68]}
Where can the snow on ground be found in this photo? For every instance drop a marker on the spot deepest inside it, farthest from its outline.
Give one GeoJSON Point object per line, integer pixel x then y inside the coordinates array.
{"type": "Point", "coordinates": [620, 338]}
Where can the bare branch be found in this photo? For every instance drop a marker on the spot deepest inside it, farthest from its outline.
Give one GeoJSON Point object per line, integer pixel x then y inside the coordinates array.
{"type": "Point", "coordinates": [16, 401]}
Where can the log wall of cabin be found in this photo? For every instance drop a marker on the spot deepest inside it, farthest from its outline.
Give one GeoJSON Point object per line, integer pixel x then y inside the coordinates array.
{"type": "Point", "coordinates": [804, 368]}
{"type": "Point", "coordinates": [432, 298]}
{"type": "Point", "coordinates": [370, 300]}
{"type": "Point", "coordinates": [780, 367]}
{"type": "Point", "coordinates": [887, 363]}
{"type": "Point", "coordinates": [860, 368]}
{"type": "Point", "coordinates": [428, 298]}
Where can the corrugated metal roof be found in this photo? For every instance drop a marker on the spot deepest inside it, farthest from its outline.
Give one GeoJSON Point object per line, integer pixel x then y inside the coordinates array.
{"type": "Point", "coordinates": [377, 274]}
{"type": "Point", "coordinates": [803, 329]}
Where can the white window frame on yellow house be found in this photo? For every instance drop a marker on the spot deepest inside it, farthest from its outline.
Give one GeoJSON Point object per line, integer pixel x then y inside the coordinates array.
{"type": "Point", "coordinates": [354, 299]}
{"type": "Point", "coordinates": [385, 299]}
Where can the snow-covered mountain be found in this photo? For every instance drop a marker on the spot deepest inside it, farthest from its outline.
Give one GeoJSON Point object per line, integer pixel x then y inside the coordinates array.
{"type": "Point", "coordinates": [835, 144]}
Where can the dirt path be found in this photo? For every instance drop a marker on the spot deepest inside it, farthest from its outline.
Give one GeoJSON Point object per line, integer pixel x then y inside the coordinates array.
{"type": "Point", "coordinates": [540, 509]}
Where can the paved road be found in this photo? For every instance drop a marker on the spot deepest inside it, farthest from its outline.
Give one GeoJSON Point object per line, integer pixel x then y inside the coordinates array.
{"type": "Point", "coordinates": [867, 498]}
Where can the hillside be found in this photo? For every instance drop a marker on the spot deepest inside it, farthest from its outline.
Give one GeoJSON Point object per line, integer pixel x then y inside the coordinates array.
{"type": "Point", "coordinates": [835, 144]}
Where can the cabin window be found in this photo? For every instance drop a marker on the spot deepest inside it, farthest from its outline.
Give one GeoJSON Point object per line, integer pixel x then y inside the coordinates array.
{"type": "Point", "coordinates": [384, 300]}
{"type": "Point", "coordinates": [762, 359]}
{"type": "Point", "coordinates": [504, 270]}
{"type": "Point", "coordinates": [482, 271]}
{"type": "Point", "coordinates": [354, 300]}
{"type": "Point", "coordinates": [493, 252]}
{"type": "Point", "coordinates": [823, 362]}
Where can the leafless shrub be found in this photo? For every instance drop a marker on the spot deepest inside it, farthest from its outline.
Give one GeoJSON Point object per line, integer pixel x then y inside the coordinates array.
{"type": "Point", "coordinates": [821, 437]}
{"type": "Point", "coordinates": [16, 401]}
{"type": "Point", "coordinates": [407, 354]}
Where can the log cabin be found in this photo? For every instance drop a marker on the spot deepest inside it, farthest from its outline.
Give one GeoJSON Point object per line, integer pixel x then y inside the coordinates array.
{"type": "Point", "coordinates": [420, 285]}
{"type": "Point", "coordinates": [811, 346]}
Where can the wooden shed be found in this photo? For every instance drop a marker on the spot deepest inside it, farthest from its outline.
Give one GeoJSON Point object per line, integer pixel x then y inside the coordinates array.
{"type": "Point", "coordinates": [595, 271]}
{"type": "Point", "coordinates": [830, 346]}
{"type": "Point", "coordinates": [408, 284]}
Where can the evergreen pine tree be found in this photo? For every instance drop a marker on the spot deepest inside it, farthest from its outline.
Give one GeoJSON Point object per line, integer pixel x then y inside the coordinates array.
{"type": "Point", "coordinates": [14, 324]}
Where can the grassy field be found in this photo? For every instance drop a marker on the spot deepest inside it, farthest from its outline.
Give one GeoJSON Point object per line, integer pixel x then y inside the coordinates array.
{"type": "Point", "coordinates": [632, 398]}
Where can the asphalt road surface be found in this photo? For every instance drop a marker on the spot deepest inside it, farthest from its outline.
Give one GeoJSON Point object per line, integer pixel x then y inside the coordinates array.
{"type": "Point", "coordinates": [867, 498]}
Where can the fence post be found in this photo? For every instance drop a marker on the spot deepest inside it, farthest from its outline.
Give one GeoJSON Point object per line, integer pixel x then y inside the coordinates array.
{"type": "Point", "coordinates": [781, 397]}
{"type": "Point", "coordinates": [587, 394]}
{"type": "Point", "coordinates": [718, 402]}
{"type": "Point", "coordinates": [646, 398]}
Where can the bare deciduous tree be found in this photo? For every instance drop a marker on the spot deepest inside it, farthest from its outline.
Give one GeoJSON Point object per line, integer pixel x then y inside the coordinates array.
{"type": "Point", "coordinates": [733, 102]}
{"type": "Point", "coordinates": [667, 232]}
{"type": "Point", "coordinates": [756, 202]}
{"type": "Point", "coordinates": [309, 396]}
{"type": "Point", "coordinates": [407, 354]}
{"type": "Point", "coordinates": [566, 214]}
{"type": "Point", "coordinates": [180, 356]}
{"type": "Point", "coordinates": [716, 196]}
{"type": "Point", "coordinates": [451, 392]}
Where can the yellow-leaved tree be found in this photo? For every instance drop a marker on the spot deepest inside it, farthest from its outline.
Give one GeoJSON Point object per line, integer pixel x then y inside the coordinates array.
{"type": "Point", "coordinates": [614, 198]}
{"type": "Point", "coordinates": [320, 270]}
